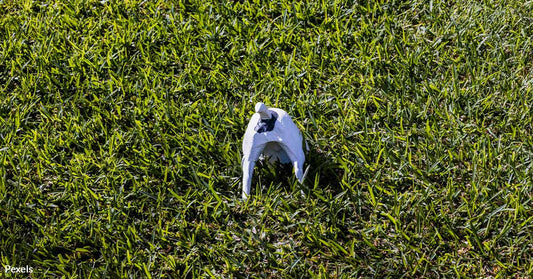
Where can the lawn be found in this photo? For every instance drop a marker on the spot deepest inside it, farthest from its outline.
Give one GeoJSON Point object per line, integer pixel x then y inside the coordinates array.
{"type": "Point", "coordinates": [121, 126]}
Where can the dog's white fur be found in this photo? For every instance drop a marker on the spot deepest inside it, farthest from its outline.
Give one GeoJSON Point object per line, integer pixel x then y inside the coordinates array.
{"type": "Point", "coordinates": [283, 143]}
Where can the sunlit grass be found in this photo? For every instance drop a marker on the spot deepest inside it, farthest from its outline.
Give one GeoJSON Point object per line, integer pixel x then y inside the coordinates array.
{"type": "Point", "coordinates": [121, 126]}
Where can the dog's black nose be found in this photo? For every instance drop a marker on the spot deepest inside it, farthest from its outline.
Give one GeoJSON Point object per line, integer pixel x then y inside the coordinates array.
{"type": "Point", "coordinates": [266, 125]}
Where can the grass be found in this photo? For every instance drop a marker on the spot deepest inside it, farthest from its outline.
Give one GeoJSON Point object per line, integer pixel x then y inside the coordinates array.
{"type": "Point", "coordinates": [121, 126]}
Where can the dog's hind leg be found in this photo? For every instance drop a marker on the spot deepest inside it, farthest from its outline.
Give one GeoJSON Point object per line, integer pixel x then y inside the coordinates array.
{"type": "Point", "coordinates": [298, 170]}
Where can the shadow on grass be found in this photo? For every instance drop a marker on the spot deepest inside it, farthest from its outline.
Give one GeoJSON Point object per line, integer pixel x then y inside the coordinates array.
{"type": "Point", "coordinates": [322, 171]}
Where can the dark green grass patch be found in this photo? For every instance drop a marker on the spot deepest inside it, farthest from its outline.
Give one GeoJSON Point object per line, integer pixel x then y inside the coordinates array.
{"type": "Point", "coordinates": [121, 126]}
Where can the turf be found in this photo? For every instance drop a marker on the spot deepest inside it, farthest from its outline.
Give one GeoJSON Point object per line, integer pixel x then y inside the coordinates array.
{"type": "Point", "coordinates": [121, 124]}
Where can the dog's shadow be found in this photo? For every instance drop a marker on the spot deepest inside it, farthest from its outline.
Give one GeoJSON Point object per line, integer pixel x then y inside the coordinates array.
{"type": "Point", "coordinates": [320, 170]}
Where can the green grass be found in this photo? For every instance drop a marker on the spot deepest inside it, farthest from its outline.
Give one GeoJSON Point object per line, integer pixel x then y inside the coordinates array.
{"type": "Point", "coordinates": [121, 125]}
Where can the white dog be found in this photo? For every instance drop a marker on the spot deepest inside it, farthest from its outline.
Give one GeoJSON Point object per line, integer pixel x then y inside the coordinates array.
{"type": "Point", "coordinates": [271, 133]}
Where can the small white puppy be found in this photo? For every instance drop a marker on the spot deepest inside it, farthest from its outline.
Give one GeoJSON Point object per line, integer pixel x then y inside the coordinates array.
{"type": "Point", "coordinates": [271, 133]}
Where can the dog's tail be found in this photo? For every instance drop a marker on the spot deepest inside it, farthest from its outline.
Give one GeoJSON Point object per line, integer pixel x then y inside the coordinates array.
{"type": "Point", "coordinates": [262, 109]}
